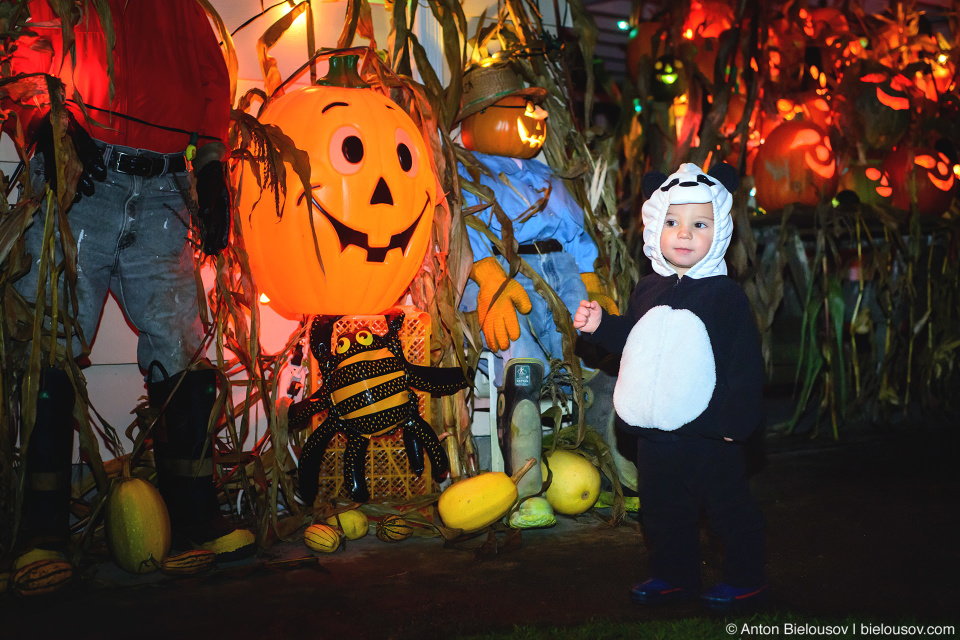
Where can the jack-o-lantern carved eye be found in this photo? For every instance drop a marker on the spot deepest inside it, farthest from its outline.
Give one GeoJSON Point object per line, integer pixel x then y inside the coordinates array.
{"type": "Point", "coordinates": [343, 345]}
{"type": "Point", "coordinates": [406, 153]}
{"type": "Point", "coordinates": [365, 338]}
{"type": "Point", "coordinates": [346, 150]}
{"type": "Point", "coordinates": [529, 108]}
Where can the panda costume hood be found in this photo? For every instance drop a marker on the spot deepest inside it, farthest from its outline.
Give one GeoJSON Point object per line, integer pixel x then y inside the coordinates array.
{"type": "Point", "coordinates": [687, 186]}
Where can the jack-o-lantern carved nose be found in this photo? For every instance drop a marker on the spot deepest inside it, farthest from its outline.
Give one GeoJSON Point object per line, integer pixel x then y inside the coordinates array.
{"type": "Point", "coordinates": [381, 195]}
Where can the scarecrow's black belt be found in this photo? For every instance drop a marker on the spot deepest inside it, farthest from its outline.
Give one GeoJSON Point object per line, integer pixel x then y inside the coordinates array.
{"type": "Point", "coordinates": [146, 165]}
{"type": "Point", "coordinates": [536, 247]}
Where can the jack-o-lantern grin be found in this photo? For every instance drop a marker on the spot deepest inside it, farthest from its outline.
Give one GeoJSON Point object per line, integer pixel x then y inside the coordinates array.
{"type": "Point", "coordinates": [349, 236]}
{"type": "Point", "coordinates": [533, 140]}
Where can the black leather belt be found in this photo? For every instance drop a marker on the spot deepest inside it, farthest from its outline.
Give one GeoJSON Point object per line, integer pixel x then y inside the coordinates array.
{"type": "Point", "coordinates": [536, 247]}
{"type": "Point", "coordinates": [146, 166]}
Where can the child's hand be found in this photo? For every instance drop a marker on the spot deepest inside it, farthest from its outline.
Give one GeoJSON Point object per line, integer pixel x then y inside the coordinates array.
{"type": "Point", "coordinates": [587, 317]}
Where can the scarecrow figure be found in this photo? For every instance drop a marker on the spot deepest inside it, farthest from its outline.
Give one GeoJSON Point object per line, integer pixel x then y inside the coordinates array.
{"type": "Point", "coordinates": [503, 124]}
{"type": "Point", "coordinates": [131, 224]}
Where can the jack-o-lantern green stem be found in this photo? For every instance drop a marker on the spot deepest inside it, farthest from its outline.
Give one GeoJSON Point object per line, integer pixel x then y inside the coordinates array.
{"type": "Point", "coordinates": [343, 73]}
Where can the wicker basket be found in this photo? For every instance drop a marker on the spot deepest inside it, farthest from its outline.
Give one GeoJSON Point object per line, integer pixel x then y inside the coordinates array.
{"type": "Point", "coordinates": [388, 471]}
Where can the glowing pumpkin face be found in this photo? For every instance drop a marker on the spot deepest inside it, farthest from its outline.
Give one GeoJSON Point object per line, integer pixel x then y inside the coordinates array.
{"type": "Point", "coordinates": [795, 163]}
{"type": "Point", "coordinates": [513, 127]}
{"type": "Point", "coordinates": [669, 79]}
{"type": "Point", "coordinates": [881, 109]}
{"type": "Point", "coordinates": [810, 106]}
{"type": "Point", "coordinates": [932, 174]}
{"type": "Point", "coordinates": [871, 184]}
{"type": "Point", "coordinates": [373, 194]}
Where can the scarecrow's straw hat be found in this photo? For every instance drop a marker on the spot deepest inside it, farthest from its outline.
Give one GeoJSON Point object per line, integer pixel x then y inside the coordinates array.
{"type": "Point", "coordinates": [484, 86]}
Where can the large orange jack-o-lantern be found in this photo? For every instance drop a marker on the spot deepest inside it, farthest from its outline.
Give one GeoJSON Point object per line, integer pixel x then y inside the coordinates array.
{"type": "Point", "coordinates": [372, 191]}
{"type": "Point", "coordinates": [932, 173]}
{"type": "Point", "coordinates": [795, 163]}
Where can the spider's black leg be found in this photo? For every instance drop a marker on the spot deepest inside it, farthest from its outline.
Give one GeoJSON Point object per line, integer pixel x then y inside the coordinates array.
{"type": "Point", "coordinates": [354, 463]}
{"type": "Point", "coordinates": [414, 449]}
{"type": "Point", "coordinates": [419, 435]}
{"type": "Point", "coordinates": [310, 459]}
{"type": "Point", "coordinates": [308, 407]}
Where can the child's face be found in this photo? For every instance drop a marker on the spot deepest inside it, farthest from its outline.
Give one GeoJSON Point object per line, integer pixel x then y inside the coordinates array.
{"type": "Point", "coordinates": [687, 234]}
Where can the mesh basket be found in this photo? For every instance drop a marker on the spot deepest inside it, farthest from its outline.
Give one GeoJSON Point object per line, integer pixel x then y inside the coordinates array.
{"type": "Point", "coordinates": [388, 472]}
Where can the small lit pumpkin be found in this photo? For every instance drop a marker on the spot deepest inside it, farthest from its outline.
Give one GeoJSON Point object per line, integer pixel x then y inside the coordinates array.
{"type": "Point", "coordinates": [932, 173]}
{"type": "Point", "coordinates": [393, 528]}
{"type": "Point", "coordinates": [795, 164]}
{"type": "Point", "coordinates": [514, 127]}
{"type": "Point", "coordinates": [870, 182]}
{"type": "Point", "coordinates": [373, 194]}
{"type": "Point", "coordinates": [809, 106]}
{"type": "Point", "coordinates": [669, 79]}
{"type": "Point", "coordinates": [878, 114]}
{"type": "Point", "coordinates": [939, 78]}
{"type": "Point", "coordinates": [137, 524]}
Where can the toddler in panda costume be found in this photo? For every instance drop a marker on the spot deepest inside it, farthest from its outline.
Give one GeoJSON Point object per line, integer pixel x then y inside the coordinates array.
{"type": "Point", "coordinates": [690, 381]}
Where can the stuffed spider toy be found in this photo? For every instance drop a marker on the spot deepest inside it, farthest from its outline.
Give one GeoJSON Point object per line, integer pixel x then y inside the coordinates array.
{"type": "Point", "coordinates": [367, 389]}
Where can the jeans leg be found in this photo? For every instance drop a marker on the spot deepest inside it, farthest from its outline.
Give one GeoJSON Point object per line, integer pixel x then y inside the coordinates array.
{"type": "Point", "coordinates": [96, 223]}
{"type": "Point", "coordinates": [155, 278]}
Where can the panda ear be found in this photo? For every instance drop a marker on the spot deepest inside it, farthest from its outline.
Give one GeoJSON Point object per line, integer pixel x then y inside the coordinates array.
{"type": "Point", "coordinates": [727, 176]}
{"type": "Point", "coordinates": [651, 182]}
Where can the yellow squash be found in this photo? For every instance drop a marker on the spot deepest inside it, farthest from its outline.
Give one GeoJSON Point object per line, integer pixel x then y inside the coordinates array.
{"type": "Point", "coordinates": [353, 523]}
{"type": "Point", "coordinates": [575, 485]}
{"type": "Point", "coordinates": [188, 562]}
{"type": "Point", "coordinates": [42, 576]}
{"type": "Point", "coordinates": [478, 502]}
{"type": "Point", "coordinates": [322, 538]}
{"type": "Point", "coordinates": [137, 524]}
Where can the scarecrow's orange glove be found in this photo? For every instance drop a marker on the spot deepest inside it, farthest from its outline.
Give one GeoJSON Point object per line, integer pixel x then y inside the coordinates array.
{"type": "Point", "coordinates": [498, 316]}
{"type": "Point", "coordinates": [597, 293]}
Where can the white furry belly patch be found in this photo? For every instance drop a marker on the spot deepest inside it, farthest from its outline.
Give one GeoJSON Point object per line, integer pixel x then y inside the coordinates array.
{"type": "Point", "coordinates": [667, 372]}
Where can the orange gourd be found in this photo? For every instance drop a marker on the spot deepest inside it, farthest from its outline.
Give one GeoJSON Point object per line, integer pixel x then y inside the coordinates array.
{"type": "Point", "coordinates": [932, 173]}
{"type": "Point", "coordinates": [795, 164]}
{"type": "Point", "coordinates": [512, 127]}
{"type": "Point", "coordinates": [373, 194]}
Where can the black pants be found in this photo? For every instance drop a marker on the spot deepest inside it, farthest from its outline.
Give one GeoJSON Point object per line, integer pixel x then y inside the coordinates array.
{"type": "Point", "coordinates": [681, 476]}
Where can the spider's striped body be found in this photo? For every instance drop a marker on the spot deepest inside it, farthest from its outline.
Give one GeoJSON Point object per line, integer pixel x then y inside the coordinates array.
{"type": "Point", "coordinates": [366, 390]}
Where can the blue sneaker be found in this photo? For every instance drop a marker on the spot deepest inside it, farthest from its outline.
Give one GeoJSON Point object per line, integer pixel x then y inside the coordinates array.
{"type": "Point", "coordinates": [725, 599]}
{"type": "Point", "coordinates": [657, 592]}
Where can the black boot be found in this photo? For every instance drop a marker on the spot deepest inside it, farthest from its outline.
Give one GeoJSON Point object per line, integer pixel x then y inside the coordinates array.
{"type": "Point", "coordinates": [46, 501]}
{"type": "Point", "coordinates": [182, 450]}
